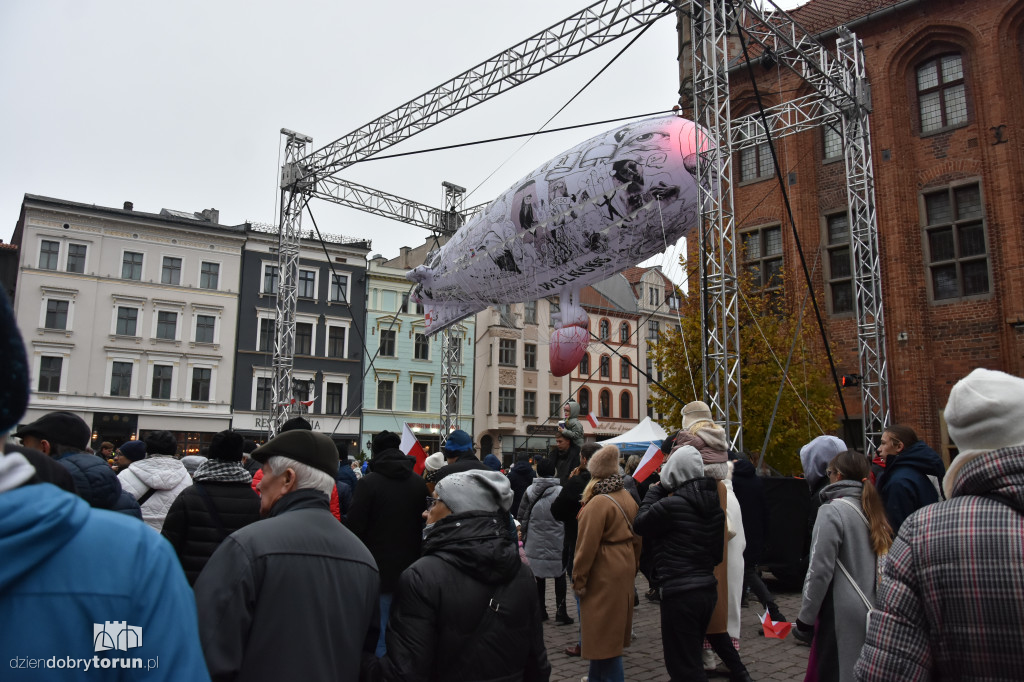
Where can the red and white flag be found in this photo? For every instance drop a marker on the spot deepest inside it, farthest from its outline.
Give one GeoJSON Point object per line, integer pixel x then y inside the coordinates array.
{"type": "Point", "coordinates": [774, 629]}
{"type": "Point", "coordinates": [410, 446]}
{"type": "Point", "coordinates": [592, 418]}
{"type": "Point", "coordinates": [652, 459]}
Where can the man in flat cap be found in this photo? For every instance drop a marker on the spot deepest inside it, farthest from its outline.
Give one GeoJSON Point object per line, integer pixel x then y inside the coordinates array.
{"type": "Point", "coordinates": [294, 595]}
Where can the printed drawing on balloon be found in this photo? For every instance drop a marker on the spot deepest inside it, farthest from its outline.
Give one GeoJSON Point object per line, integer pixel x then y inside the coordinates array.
{"type": "Point", "coordinates": [604, 205]}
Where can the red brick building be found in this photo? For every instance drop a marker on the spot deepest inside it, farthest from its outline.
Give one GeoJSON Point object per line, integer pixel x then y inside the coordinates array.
{"type": "Point", "coordinates": [947, 85]}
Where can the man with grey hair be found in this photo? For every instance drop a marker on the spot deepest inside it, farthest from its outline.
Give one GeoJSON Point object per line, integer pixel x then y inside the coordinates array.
{"type": "Point", "coordinates": [293, 596]}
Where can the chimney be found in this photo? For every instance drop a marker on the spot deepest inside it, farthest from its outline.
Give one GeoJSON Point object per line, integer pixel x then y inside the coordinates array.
{"type": "Point", "coordinates": [128, 206]}
{"type": "Point", "coordinates": [404, 253]}
{"type": "Point", "coordinates": [212, 214]}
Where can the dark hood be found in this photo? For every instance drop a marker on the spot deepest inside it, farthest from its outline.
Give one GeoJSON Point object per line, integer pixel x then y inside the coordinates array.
{"type": "Point", "coordinates": [392, 463]}
{"type": "Point", "coordinates": [998, 474]}
{"type": "Point", "coordinates": [481, 545]}
{"type": "Point", "coordinates": [522, 467]}
{"type": "Point", "coordinates": [742, 468]}
{"type": "Point", "coordinates": [919, 457]}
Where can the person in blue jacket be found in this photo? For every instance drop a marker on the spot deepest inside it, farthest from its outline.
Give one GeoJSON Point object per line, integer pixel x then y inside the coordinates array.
{"type": "Point", "coordinates": [913, 474]}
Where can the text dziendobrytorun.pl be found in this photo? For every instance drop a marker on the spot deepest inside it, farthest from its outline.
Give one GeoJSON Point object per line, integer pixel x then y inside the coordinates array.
{"type": "Point", "coordinates": [96, 662]}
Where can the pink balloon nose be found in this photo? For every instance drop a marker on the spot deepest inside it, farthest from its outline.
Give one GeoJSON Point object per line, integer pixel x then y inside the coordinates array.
{"type": "Point", "coordinates": [567, 348]}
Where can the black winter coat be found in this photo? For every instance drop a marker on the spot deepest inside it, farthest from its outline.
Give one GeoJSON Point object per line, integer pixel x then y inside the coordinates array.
{"type": "Point", "coordinates": [387, 514]}
{"type": "Point", "coordinates": [567, 505]}
{"type": "Point", "coordinates": [565, 462]}
{"type": "Point", "coordinates": [520, 477]}
{"type": "Point", "coordinates": [689, 527]}
{"type": "Point", "coordinates": [753, 507]}
{"type": "Point", "coordinates": [97, 484]}
{"type": "Point", "coordinates": [290, 597]}
{"type": "Point", "coordinates": [191, 522]}
{"type": "Point", "coordinates": [467, 610]}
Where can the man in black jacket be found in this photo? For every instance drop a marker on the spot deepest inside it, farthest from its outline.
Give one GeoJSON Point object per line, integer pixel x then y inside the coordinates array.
{"type": "Point", "coordinates": [458, 450]}
{"type": "Point", "coordinates": [565, 508]}
{"type": "Point", "coordinates": [219, 502]}
{"type": "Point", "coordinates": [683, 513]}
{"type": "Point", "coordinates": [566, 456]}
{"type": "Point", "coordinates": [520, 477]}
{"type": "Point", "coordinates": [294, 596]}
{"type": "Point", "coordinates": [387, 515]}
{"type": "Point", "coordinates": [466, 610]}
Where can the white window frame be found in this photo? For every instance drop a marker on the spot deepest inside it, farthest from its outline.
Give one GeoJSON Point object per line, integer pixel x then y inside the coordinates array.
{"type": "Point", "coordinates": [189, 371]}
{"type": "Point", "coordinates": [216, 327]}
{"type": "Point", "coordinates": [199, 274]}
{"type": "Point", "coordinates": [311, 320]}
{"type": "Point", "coordinates": [427, 340]}
{"type": "Point", "coordinates": [138, 318]}
{"type": "Point", "coordinates": [316, 283]}
{"type": "Point", "coordinates": [37, 362]}
{"type": "Point", "coordinates": [157, 309]}
{"type": "Point", "coordinates": [348, 288]}
{"type": "Point", "coordinates": [67, 254]}
{"type": "Point", "coordinates": [259, 373]}
{"type": "Point", "coordinates": [142, 268]}
{"type": "Point", "coordinates": [173, 363]}
{"type": "Point", "coordinates": [133, 390]}
{"type": "Point", "coordinates": [263, 314]}
{"type": "Point", "coordinates": [181, 269]}
{"type": "Point", "coordinates": [328, 378]}
{"type": "Point", "coordinates": [413, 383]}
{"type": "Point", "coordinates": [343, 324]}
{"type": "Point", "coordinates": [39, 252]}
{"type": "Point", "coordinates": [57, 294]}
{"type": "Point", "coordinates": [263, 277]}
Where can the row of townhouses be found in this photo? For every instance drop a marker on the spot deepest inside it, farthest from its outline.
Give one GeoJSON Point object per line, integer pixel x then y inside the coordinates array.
{"type": "Point", "coordinates": [143, 321]}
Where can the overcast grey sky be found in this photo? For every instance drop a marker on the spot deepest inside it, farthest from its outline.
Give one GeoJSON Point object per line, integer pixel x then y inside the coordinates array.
{"type": "Point", "coordinates": [179, 104]}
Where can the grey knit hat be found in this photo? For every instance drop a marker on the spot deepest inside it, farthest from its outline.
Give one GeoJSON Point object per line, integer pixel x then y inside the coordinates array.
{"type": "Point", "coordinates": [475, 490]}
{"type": "Point", "coordinates": [684, 465]}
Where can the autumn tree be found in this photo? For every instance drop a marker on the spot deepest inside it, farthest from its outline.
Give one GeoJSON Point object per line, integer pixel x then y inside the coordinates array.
{"type": "Point", "coordinates": [768, 327]}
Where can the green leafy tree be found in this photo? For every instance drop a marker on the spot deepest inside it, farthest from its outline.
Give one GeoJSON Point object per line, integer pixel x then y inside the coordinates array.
{"type": "Point", "coordinates": [808, 406]}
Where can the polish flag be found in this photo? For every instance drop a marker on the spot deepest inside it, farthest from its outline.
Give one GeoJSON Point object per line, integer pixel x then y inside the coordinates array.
{"type": "Point", "coordinates": [592, 418]}
{"type": "Point", "coordinates": [652, 459]}
{"type": "Point", "coordinates": [411, 447]}
{"type": "Point", "coordinates": [774, 629]}
{"type": "Point", "coordinates": [308, 403]}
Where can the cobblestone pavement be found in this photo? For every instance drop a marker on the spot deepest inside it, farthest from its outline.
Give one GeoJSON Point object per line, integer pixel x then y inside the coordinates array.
{"type": "Point", "coordinates": [766, 659]}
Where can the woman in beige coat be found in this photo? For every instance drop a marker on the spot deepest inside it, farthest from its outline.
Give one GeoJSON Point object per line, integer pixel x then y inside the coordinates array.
{"type": "Point", "coordinates": [605, 565]}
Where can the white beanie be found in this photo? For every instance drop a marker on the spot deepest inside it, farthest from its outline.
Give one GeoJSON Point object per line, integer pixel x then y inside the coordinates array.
{"type": "Point", "coordinates": [684, 465]}
{"type": "Point", "coordinates": [475, 490]}
{"type": "Point", "coordinates": [985, 412]}
{"type": "Point", "coordinates": [435, 462]}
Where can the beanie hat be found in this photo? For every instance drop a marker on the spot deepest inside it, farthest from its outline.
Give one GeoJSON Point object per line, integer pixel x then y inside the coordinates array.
{"type": "Point", "coordinates": [695, 412]}
{"type": "Point", "coordinates": [684, 465]}
{"type": "Point", "coordinates": [985, 412]}
{"type": "Point", "coordinates": [192, 462]}
{"type": "Point", "coordinates": [161, 443]}
{"type": "Point", "coordinates": [133, 450]}
{"type": "Point", "coordinates": [385, 440]}
{"type": "Point", "coordinates": [546, 467]}
{"type": "Point", "coordinates": [816, 455]}
{"type": "Point", "coordinates": [492, 462]}
{"type": "Point", "coordinates": [458, 442]}
{"type": "Point", "coordinates": [226, 446]}
{"type": "Point", "coordinates": [296, 423]}
{"type": "Point", "coordinates": [476, 490]}
{"type": "Point", "coordinates": [434, 462]}
{"type": "Point", "coordinates": [248, 446]}
{"type": "Point", "coordinates": [604, 463]}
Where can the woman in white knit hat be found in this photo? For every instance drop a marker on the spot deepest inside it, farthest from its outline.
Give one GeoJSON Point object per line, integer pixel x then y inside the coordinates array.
{"type": "Point", "coordinates": [605, 565]}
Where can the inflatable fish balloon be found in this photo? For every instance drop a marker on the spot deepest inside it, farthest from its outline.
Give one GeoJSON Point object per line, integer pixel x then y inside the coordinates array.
{"type": "Point", "coordinates": [604, 205]}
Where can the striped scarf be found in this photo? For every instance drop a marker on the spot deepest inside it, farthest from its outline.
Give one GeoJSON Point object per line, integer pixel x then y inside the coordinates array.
{"type": "Point", "coordinates": [221, 472]}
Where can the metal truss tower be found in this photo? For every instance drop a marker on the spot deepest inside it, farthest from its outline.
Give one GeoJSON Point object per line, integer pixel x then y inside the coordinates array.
{"type": "Point", "coordinates": [839, 96]}
{"type": "Point", "coordinates": [451, 344]}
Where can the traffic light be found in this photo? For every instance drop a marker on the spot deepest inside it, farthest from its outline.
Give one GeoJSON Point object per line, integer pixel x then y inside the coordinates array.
{"type": "Point", "coordinates": [849, 380]}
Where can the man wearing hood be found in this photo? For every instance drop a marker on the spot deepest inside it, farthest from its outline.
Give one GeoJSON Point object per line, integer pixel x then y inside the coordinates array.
{"type": "Point", "coordinates": [520, 476]}
{"type": "Point", "coordinates": [949, 600]}
{"type": "Point", "coordinates": [157, 480]}
{"type": "Point", "coordinates": [219, 502]}
{"type": "Point", "coordinates": [492, 630]}
{"type": "Point", "coordinates": [387, 515]}
{"type": "Point", "coordinates": [683, 514]}
{"type": "Point", "coordinates": [68, 568]}
{"type": "Point", "coordinates": [913, 474]}
{"type": "Point", "coordinates": [64, 437]}
{"type": "Point", "coordinates": [294, 595]}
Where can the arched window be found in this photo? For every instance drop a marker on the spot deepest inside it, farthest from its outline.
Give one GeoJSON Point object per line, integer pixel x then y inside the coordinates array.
{"type": "Point", "coordinates": [605, 330]}
{"type": "Point", "coordinates": [606, 367]}
{"type": "Point", "coordinates": [625, 405]}
{"type": "Point", "coordinates": [585, 365]}
{"type": "Point", "coordinates": [624, 332]}
{"type": "Point", "coordinates": [625, 369]}
{"type": "Point", "coordinates": [583, 398]}
{"type": "Point", "coordinates": [941, 96]}
{"type": "Point", "coordinates": [606, 403]}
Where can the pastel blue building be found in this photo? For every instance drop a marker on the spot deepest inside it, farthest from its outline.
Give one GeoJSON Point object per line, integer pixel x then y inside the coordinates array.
{"type": "Point", "coordinates": [402, 364]}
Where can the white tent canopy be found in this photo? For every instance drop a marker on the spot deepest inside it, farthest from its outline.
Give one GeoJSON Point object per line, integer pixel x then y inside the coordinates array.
{"type": "Point", "coordinates": [644, 433]}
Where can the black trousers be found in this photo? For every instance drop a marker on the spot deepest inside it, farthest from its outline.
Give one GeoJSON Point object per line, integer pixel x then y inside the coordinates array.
{"type": "Point", "coordinates": [684, 620]}
{"type": "Point", "coordinates": [559, 592]}
{"type": "Point", "coordinates": [753, 581]}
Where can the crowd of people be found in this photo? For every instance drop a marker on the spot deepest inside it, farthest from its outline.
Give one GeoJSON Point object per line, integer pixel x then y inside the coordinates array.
{"type": "Point", "coordinates": [284, 562]}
